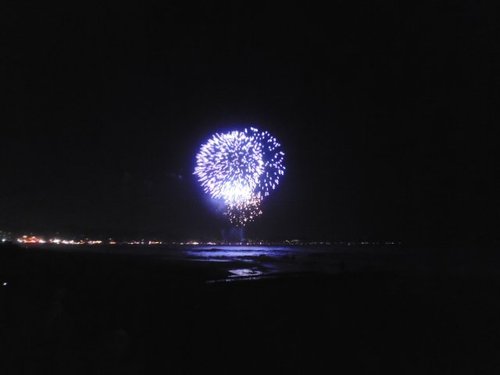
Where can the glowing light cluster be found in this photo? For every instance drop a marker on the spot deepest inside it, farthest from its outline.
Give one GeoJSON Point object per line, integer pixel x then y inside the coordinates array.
{"type": "Point", "coordinates": [241, 213]}
{"type": "Point", "coordinates": [240, 168]}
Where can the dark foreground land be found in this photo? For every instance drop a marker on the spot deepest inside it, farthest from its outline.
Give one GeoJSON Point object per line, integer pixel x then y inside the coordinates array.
{"type": "Point", "coordinates": [64, 313]}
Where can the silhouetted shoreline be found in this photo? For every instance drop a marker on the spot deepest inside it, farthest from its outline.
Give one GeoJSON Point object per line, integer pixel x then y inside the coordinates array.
{"type": "Point", "coordinates": [86, 313]}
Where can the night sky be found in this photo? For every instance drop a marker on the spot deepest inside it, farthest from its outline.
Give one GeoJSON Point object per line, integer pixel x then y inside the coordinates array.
{"type": "Point", "coordinates": [387, 112]}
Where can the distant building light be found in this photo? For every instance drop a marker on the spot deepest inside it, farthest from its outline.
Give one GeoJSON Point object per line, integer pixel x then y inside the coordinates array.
{"type": "Point", "coordinates": [30, 240]}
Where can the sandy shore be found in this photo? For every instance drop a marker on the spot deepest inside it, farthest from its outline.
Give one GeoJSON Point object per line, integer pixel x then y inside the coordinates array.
{"type": "Point", "coordinates": [94, 313]}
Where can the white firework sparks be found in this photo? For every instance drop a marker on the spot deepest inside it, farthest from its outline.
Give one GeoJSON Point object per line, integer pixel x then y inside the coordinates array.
{"type": "Point", "coordinates": [273, 161]}
{"type": "Point", "coordinates": [229, 166]}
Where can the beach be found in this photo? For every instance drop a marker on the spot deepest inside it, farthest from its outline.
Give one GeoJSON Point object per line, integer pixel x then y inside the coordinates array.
{"type": "Point", "coordinates": [224, 310]}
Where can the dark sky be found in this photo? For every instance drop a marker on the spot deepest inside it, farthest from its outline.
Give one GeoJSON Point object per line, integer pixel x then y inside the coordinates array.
{"type": "Point", "coordinates": [387, 112]}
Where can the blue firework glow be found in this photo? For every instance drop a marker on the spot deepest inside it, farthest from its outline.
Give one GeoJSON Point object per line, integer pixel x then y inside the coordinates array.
{"type": "Point", "coordinates": [240, 168]}
{"type": "Point", "coordinates": [273, 161]}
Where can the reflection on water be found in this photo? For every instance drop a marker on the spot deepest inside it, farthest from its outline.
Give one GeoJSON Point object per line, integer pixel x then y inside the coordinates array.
{"type": "Point", "coordinates": [238, 252]}
{"type": "Point", "coordinates": [247, 262]}
{"type": "Point", "coordinates": [254, 262]}
{"type": "Point", "coordinates": [244, 272]}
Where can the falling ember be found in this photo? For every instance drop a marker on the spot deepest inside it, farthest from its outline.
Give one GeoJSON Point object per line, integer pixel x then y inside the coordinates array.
{"type": "Point", "coordinates": [240, 214]}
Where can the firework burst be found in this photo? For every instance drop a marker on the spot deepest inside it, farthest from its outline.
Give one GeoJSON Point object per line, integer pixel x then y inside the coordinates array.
{"type": "Point", "coordinates": [240, 168]}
